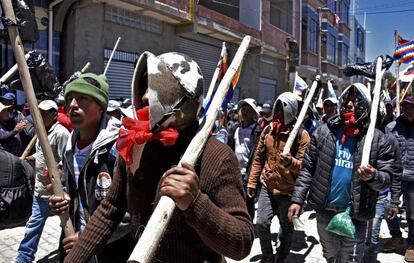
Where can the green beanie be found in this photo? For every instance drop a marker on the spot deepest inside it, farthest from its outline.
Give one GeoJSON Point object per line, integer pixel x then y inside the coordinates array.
{"type": "Point", "coordinates": [95, 86]}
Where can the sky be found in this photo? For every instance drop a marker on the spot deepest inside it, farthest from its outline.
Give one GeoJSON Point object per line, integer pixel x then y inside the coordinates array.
{"type": "Point", "coordinates": [383, 17]}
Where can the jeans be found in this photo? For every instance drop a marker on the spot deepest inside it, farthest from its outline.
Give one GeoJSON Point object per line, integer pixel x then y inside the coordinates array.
{"type": "Point", "coordinates": [407, 189]}
{"type": "Point", "coordinates": [268, 206]}
{"type": "Point", "coordinates": [373, 238]}
{"type": "Point", "coordinates": [34, 228]}
{"type": "Point", "coordinates": [338, 248]}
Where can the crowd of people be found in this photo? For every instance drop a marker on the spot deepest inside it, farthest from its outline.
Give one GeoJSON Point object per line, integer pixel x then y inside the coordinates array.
{"type": "Point", "coordinates": [116, 160]}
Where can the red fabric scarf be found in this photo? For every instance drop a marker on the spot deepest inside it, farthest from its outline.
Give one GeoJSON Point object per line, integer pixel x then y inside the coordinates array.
{"type": "Point", "coordinates": [278, 126]}
{"type": "Point", "coordinates": [348, 119]}
{"type": "Point", "coordinates": [138, 132]}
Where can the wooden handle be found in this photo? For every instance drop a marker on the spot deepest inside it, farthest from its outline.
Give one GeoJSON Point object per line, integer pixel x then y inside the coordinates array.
{"type": "Point", "coordinates": [29, 147]}
{"type": "Point", "coordinates": [86, 67]}
{"type": "Point", "coordinates": [147, 244]}
{"type": "Point", "coordinates": [34, 110]}
{"type": "Point", "coordinates": [301, 116]}
{"type": "Point", "coordinates": [366, 150]}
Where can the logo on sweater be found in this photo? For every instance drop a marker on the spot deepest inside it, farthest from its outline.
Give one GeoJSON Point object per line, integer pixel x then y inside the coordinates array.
{"type": "Point", "coordinates": [103, 182]}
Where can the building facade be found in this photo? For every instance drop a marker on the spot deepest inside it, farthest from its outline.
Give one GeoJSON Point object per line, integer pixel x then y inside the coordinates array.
{"type": "Point", "coordinates": [284, 38]}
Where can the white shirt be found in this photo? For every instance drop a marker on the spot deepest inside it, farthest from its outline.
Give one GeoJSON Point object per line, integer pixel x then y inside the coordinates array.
{"type": "Point", "coordinates": [242, 145]}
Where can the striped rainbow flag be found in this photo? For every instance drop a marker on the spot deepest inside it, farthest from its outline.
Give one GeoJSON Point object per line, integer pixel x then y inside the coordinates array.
{"type": "Point", "coordinates": [404, 53]}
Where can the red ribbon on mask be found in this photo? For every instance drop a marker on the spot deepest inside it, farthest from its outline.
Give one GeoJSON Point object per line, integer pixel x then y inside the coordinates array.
{"type": "Point", "coordinates": [138, 132]}
{"type": "Point", "coordinates": [348, 119]}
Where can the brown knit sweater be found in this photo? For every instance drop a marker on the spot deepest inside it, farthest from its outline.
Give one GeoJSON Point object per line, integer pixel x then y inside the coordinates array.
{"type": "Point", "coordinates": [217, 224]}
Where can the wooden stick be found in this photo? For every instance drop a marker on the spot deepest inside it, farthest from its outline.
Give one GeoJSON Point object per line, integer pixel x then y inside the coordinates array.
{"type": "Point", "coordinates": [397, 76]}
{"type": "Point", "coordinates": [215, 75]}
{"type": "Point", "coordinates": [34, 110]}
{"type": "Point", "coordinates": [366, 150]}
{"type": "Point", "coordinates": [147, 244]}
{"type": "Point", "coordinates": [29, 147]}
{"type": "Point", "coordinates": [11, 71]}
{"type": "Point", "coordinates": [406, 90]}
{"type": "Point", "coordinates": [301, 116]}
{"type": "Point", "coordinates": [86, 67]}
{"type": "Point", "coordinates": [112, 54]}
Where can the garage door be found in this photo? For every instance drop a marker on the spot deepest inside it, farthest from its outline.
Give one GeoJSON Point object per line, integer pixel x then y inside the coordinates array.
{"type": "Point", "coordinates": [205, 54]}
{"type": "Point", "coordinates": [120, 73]}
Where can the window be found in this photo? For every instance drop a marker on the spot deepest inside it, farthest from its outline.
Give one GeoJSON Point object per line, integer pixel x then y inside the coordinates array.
{"type": "Point", "coordinates": [132, 19]}
{"type": "Point", "coordinates": [333, 5]}
{"type": "Point", "coordinates": [331, 47]}
{"type": "Point", "coordinates": [345, 55]}
{"type": "Point", "coordinates": [313, 36]}
{"type": "Point", "coordinates": [360, 38]}
{"type": "Point", "coordinates": [345, 12]}
{"type": "Point", "coordinates": [228, 8]}
{"type": "Point", "coordinates": [281, 14]}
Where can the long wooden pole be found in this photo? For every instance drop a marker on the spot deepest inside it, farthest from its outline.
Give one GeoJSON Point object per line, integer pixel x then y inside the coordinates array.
{"type": "Point", "coordinates": [374, 112]}
{"type": "Point", "coordinates": [34, 110]}
{"type": "Point", "coordinates": [29, 147]}
{"type": "Point", "coordinates": [397, 76]}
{"type": "Point", "coordinates": [301, 116]}
{"type": "Point", "coordinates": [148, 243]}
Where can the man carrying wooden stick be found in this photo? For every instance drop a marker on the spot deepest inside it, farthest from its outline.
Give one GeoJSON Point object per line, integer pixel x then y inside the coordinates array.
{"type": "Point", "coordinates": [58, 137]}
{"type": "Point", "coordinates": [335, 180]}
{"type": "Point", "coordinates": [211, 220]}
{"type": "Point", "coordinates": [88, 162]}
{"type": "Point", "coordinates": [280, 172]}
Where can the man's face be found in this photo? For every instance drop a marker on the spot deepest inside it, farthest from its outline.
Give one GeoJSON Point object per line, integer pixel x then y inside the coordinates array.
{"type": "Point", "coordinates": [329, 108]}
{"type": "Point", "coordinates": [247, 113]}
{"type": "Point", "coordinates": [4, 115]}
{"type": "Point", "coordinates": [409, 111]}
{"type": "Point", "coordinates": [349, 106]}
{"type": "Point", "coordinates": [48, 117]}
{"type": "Point", "coordinates": [84, 111]}
{"type": "Point", "coordinates": [279, 112]}
{"type": "Point", "coordinates": [389, 109]}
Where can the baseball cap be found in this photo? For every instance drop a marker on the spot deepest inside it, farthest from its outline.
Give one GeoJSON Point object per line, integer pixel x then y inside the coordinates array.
{"type": "Point", "coordinates": [9, 96]}
{"type": "Point", "coordinates": [48, 105]}
{"type": "Point", "coordinates": [331, 99]}
{"type": "Point", "coordinates": [267, 107]}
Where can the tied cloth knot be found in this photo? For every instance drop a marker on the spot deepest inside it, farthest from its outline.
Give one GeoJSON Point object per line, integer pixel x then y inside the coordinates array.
{"type": "Point", "coordinates": [278, 126]}
{"type": "Point", "coordinates": [138, 132]}
{"type": "Point", "coordinates": [348, 119]}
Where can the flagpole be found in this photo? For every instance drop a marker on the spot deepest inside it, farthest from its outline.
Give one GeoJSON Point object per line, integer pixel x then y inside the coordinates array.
{"type": "Point", "coordinates": [397, 72]}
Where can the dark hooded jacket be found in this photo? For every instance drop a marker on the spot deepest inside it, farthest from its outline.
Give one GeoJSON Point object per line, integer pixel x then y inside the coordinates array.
{"type": "Point", "coordinates": [315, 176]}
{"type": "Point", "coordinates": [316, 173]}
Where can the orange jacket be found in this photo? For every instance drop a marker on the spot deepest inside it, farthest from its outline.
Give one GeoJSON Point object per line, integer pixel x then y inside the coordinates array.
{"type": "Point", "coordinates": [278, 178]}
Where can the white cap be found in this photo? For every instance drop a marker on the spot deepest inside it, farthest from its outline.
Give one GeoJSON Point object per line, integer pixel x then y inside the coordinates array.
{"type": "Point", "coordinates": [249, 101]}
{"type": "Point", "coordinates": [3, 107]}
{"type": "Point", "coordinates": [47, 105]}
{"type": "Point", "coordinates": [113, 105]}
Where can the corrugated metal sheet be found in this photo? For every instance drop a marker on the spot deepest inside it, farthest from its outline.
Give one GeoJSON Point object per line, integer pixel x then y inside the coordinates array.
{"type": "Point", "coordinates": [119, 77]}
{"type": "Point", "coordinates": [267, 90]}
{"type": "Point", "coordinates": [206, 56]}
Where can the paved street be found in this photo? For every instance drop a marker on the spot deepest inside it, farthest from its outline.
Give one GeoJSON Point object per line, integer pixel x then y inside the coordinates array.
{"type": "Point", "coordinates": [306, 247]}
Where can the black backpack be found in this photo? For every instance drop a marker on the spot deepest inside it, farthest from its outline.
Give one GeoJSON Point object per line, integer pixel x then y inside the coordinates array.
{"type": "Point", "coordinates": [16, 190]}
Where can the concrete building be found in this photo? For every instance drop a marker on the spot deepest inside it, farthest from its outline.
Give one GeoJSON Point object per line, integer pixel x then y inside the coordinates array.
{"type": "Point", "coordinates": [329, 21]}
{"type": "Point", "coordinates": [357, 48]}
{"type": "Point", "coordinates": [86, 31]}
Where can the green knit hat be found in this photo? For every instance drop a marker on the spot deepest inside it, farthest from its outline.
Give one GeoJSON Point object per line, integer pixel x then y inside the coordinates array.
{"type": "Point", "coordinates": [95, 86]}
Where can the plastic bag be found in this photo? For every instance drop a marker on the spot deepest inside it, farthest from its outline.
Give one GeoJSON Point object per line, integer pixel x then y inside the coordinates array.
{"type": "Point", "coordinates": [43, 78]}
{"type": "Point", "coordinates": [25, 19]}
{"type": "Point", "coordinates": [341, 224]}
